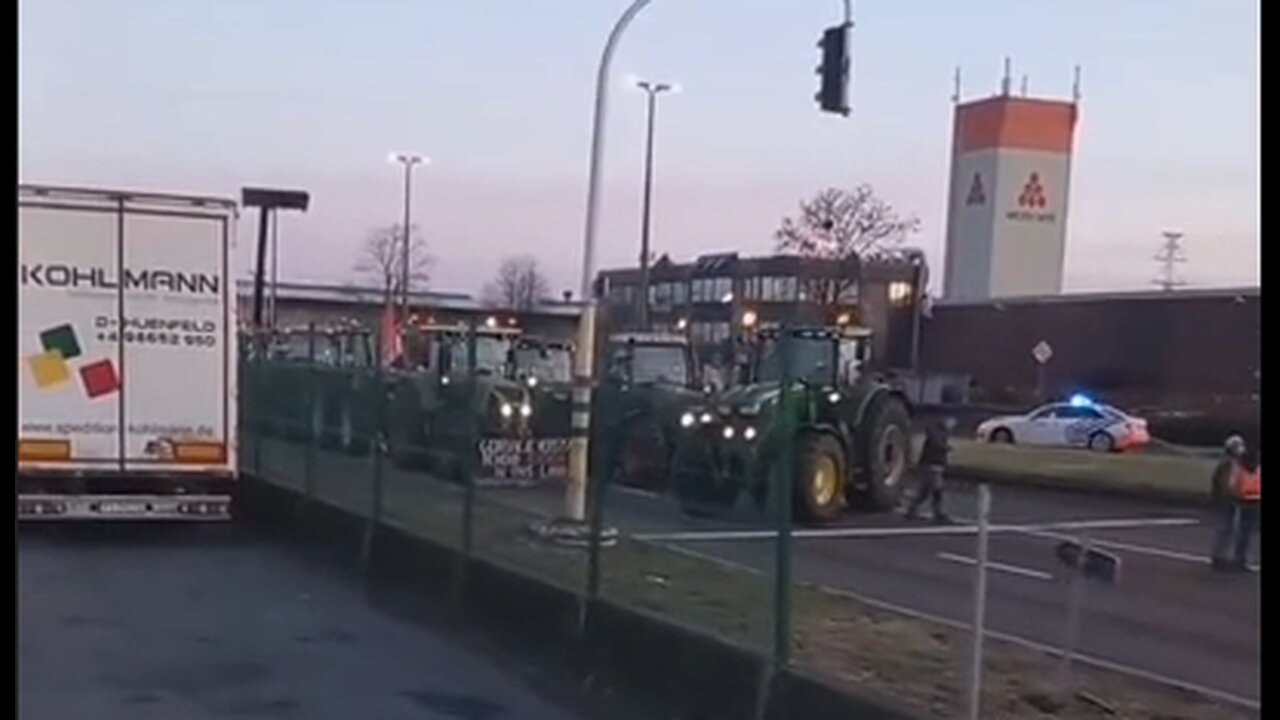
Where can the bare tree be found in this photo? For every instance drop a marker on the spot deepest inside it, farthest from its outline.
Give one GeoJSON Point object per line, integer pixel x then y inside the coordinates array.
{"type": "Point", "coordinates": [844, 225]}
{"type": "Point", "coordinates": [519, 284]}
{"type": "Point", "coordinates": [382, 255]}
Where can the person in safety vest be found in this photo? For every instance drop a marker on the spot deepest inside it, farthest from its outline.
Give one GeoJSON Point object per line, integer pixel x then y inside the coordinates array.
{"type": "Point", "coordinates": [1247, 490]}
{"type": "Point", "coordinates": [1232, 484]}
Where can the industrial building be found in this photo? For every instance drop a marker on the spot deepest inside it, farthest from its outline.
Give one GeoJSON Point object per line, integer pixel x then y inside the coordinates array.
{"type": "Point", "coordinates": [1195, 352]}
{"type": "Point", "coordinates": [713, 296]}
{"type": "Point", "coordinates": [1008, 197]}
{"type": "Point", "coordinates": [298, 305]}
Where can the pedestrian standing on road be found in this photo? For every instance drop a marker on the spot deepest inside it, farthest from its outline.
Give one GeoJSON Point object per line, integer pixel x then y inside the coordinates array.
{"type": "Point", "coordinates": [1224, 501]}
{"type": "Point", "coordinates": [932, 470]}
{"type": "Point", "coordinates": [1247, 493]}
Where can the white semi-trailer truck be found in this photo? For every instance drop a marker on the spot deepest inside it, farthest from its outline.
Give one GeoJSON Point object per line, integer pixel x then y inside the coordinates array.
{"type": "Point", "coordinates": [126, 355]}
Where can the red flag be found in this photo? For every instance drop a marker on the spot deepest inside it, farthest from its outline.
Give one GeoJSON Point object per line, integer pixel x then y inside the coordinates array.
{"type": "Point", "coordinates": [392, 348]}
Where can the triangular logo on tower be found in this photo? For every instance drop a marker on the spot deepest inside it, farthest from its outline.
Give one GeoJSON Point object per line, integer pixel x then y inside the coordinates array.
{"type": "Point", "coordinates": [977, 196]}
{"type": "Point", "coordinates": [1033, 193]}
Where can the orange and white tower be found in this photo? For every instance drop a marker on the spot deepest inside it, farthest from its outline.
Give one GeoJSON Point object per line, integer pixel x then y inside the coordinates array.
{"type": "Point", "coordinates": [1007, 207]}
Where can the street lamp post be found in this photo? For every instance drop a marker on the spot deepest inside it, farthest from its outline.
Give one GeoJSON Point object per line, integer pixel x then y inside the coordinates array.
{"type": "Point", "coordinates": [408, 161]}
{"type": "Point", "coordinates": [575, 489]}
{"type": "Point", "coordinates": [651, 90]}
{"type": "Point", "coordinates": [584, 360]}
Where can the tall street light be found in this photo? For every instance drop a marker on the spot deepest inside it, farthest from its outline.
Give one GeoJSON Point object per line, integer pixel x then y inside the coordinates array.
{"type": "Point", "coordinates": [652, 90]}
{"type": "Point", "coordinates": [408, 161]}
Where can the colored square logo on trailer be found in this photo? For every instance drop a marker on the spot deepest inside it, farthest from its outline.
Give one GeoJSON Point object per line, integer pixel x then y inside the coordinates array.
{"type": "Point", "coordinates": [49, 369]}
{"type": "Point", "coordinates": [99, 378]}
{"type": "Point", "coordinates": [61, 339]}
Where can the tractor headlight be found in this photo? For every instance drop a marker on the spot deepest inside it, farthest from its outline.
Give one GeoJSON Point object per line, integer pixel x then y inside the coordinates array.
{"type": "Point", "coordinates": [506, 409]}
{"type": "Point", "coordinates": [687, 420]}
{"type": "Point", "coordinates": [525, 410]}
{"type": "Point", "coordinates": [531, 381]}
{"type": "Point", "coordinates": [728, 432]}
{"type": "Point", "coordinates": [706, 418]}
{"type": "Point", "coordinates": [833, 397]}
{"type": "Point", "coordinates": [749, 433]}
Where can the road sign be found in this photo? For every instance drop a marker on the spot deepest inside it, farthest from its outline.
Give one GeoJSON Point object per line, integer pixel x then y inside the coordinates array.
{"type": "Point", "coordinates": [1097, 564]}
{"type": "Point", "coordinates": [1042, 352]}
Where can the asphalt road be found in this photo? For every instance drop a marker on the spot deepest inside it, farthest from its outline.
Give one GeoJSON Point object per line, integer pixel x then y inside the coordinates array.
{"type": "Point", "coordinates": [199, 622]}
{"type": "Point", "coordinates": [1169, 618]}
{"type": "Point", "coordinates": [1169, 615]}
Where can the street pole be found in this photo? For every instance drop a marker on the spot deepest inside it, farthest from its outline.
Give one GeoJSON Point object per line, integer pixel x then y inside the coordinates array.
{"type": "Point", "coordinates": [652, 90]}
{"type": "Point", "coordinates": [917, 315]}
{"type": "Point", "coordinates": [579, 449]}
{"type": "Point", "coordinates": [408, 161]}
{"type": "Point", "coordinates": [576, 488]}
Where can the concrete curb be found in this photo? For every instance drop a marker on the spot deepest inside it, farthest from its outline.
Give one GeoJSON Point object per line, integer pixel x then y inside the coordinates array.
{"type": "Point", "coordinates": [688, 673]}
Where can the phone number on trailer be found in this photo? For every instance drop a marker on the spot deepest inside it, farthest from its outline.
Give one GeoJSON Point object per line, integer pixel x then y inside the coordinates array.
{"type": "Point", "coordinates": [159, 338]}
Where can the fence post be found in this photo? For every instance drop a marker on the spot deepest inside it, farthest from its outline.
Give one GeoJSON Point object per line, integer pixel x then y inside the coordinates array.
{"type": "Point", "coordinates": [979, 603]}
{"type": "Point", "coordinates": [600, 471]}
{"type": "Point", "coordinates": [780, 495]}
{"type": "Point", "coordinates": [375, 451]}
{"type": "Point", "coordinates": [258, 423]}
{"type": "Point", "coordinates": [470, 452]}
{"type": "Point", "coordinates": [1075, 600]}
{"type": "Point", "coordinates": [309, 449]}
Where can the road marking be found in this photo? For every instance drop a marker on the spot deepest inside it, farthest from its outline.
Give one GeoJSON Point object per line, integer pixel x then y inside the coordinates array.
{"type": "Point", "coordinates": [967, 529]}
{"type": "Point", "coordinates": [1133, 548]}
{"type": "Point", "coordinates": [638, 492]}
{"type": "Point", "coordinates": [1097, 662]}
{"type": "Point", "coordinates": [1002, 567]}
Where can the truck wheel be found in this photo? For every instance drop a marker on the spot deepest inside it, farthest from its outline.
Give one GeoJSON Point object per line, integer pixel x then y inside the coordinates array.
{"type": "Point", "coordinates": [884, 450]}
{"type": "Point", "coordinates": [642, 457]}
{"type": "Point", "coordinates": [821, 469]}
{"type": "Point", "coordinates": [1102, 441]}
{"type": "Point", "coordinates": [1002, 436]}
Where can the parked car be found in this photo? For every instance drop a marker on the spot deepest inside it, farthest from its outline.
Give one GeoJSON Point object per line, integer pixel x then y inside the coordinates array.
{"type": "Point", "coordinates": [1078, 422]}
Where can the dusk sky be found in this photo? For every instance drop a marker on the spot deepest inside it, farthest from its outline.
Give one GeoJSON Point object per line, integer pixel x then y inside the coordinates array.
{"type": "Point", "coordinates": [208, 96]}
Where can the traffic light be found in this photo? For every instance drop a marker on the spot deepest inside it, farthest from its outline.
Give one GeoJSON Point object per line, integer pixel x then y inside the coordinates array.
{"type": "Point", "coordinates": [833, 93]}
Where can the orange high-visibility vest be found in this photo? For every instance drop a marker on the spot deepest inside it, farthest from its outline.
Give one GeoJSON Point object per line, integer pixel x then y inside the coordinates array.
{"type": "Point", "coordinates": [1248, 485]}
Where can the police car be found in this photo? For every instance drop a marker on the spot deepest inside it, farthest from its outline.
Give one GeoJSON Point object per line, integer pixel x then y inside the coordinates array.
{"type": "Point", "coordinates": [1079, 422]}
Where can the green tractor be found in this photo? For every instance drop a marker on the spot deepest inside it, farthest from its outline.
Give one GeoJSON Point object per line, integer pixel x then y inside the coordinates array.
{"type": "Point", "coordinates": [850, 432]}
{"type": "Point", "coordinates": [656, 381]}
{"type": "Point", "coordinates": [438, 409]}
{"type": "Point", "coordinates": [318, 383]}
{"type": "Point", "coordinates": [545, 367]}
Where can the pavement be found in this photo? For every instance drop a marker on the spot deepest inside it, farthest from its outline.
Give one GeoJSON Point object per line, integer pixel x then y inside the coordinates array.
{"type": "Point", "coordinates": [198, 622]}
{"type": "Point", "coordinates": [1169, 618]}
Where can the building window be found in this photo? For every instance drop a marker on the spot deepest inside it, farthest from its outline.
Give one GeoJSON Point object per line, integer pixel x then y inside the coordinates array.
{"type": "Point", "coordinates": [622, 294]}
{"type": "Point", "coordinates": [751, 288]}
{"type": "Point", "coordinates": [710, 289]}
{"type": "Point", "coordinates": [668, 294]}
{"type": "Point", "coordinates": [900, 293]}
{"type": "Point", "coordinates": [778, 289]}
{"type": "Point", "coordinates": [679, 293]}
{"type": "Point", "coordinates": [709, 332]}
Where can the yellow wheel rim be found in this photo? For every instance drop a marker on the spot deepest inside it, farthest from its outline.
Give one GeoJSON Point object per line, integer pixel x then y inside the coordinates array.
{"type": "Point", "coordinates": [825, 481]}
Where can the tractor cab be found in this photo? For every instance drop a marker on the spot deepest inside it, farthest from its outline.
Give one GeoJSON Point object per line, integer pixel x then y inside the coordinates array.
{"type": "Point", "coordinates": [651, 359]}
{"type": "Point", "coordinates": [820, 356]}
{"type": "Point", "coordinates": [535, 361]}
{"type": "Point", "coordinates": [442, 350]}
